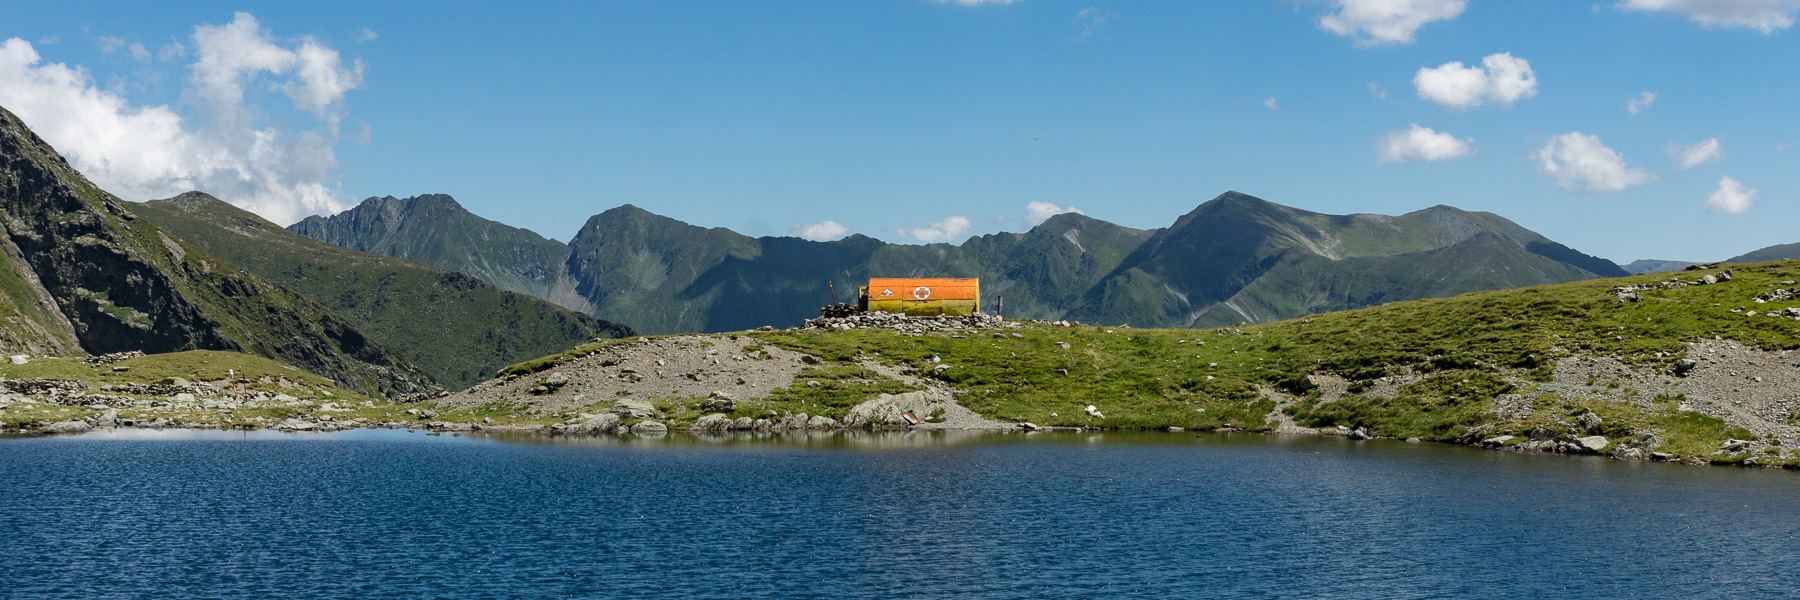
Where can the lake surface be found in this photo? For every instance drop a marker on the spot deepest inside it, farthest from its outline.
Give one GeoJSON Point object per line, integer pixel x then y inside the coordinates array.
{"type": "Point", "coordinates": [390, 514]}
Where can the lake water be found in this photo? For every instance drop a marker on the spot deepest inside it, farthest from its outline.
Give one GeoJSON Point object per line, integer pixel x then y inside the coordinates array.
{"type": "Point", "coordinates": [388, 514]}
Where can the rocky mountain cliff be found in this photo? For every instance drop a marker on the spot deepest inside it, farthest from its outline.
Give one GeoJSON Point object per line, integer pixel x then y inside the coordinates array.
{"type": "Point", "coordinates": [85, 273]}
{"type": "Point", "coordinates": [1235, 259]}
{"type": "Point", "coordinates": [454, 326]}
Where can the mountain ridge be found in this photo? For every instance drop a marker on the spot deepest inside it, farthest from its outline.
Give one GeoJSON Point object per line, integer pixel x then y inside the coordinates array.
{"type": "Point", "coordinates": [661, 275]}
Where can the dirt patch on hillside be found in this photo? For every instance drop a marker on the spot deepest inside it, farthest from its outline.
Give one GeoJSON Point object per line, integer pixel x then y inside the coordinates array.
{"type": "Point", "coordinates": [672, 367]}
{"type": "Point", "coordinates": [1750, 388]}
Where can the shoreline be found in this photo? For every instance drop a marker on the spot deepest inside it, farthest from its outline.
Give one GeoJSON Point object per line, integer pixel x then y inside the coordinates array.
{"type": "Point", "coordinates": [549, 432]}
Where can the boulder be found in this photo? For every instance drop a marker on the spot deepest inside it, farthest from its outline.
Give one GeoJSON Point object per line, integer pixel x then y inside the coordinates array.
{"type": "Point", "coordinates": [1497, 441]}
{"type": "Point", "coordinates": [1590, 422]}
{"type": "Point", "coordinates": [712, 422]}
{"type": "Point", "coordinates": [1094, 411]}
{"type": "Point", "coordinates": [719, 402]}
{"type": "Point", "coordinates": [633, 409]}
{"type": "Point", "coordinates": [1361, 433]}
{"type": "Point", "coordinates": [555, 380]}
{"type": "Point", "coordinates": [1683, 366]}
{"type": "Point", "coordinates": [589, 423]}
{"type": "Point", "coordinates": [649, 427]}
{"type": "Point", "coordinates": [110, 418]}
{"type": "Point", "coordinates": [743, 424]}
{"type": "Point", "coordinates": [68, 427]}
{"type": "Point", "coordinates": [886, 408]}
{"type": "Point", "coordinates": [1592, 443]}
{"type": "Point", "coordinates": [819, 422]}
{"type": "Point", "coordinates": [20, 359]}
{"type": "Point", "coordinates": [796, 421]}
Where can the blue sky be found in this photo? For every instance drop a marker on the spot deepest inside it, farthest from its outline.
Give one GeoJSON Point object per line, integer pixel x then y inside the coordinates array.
{"type": "Point", "coordinates": [897, 118]}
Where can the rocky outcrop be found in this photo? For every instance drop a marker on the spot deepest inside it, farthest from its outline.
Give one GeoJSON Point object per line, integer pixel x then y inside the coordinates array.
{"type": "Point", "coordinates": [122, 284]}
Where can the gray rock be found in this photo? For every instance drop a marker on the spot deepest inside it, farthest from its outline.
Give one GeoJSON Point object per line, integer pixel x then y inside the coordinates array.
{"type": "Point", "coordinates": [20, 359]}
{"type": "Point", "coordinates": [796, 421]}
{"type": "Point", "coordinates": [1413, 440]}
{"type": "Point", "coordinates": [1735, 445]}
{"type": "Point", "coordinates": [821, 422]}
{"type": "Point", "coordinates": [712, 422]}
{"type": "Point", "coordinates": [1683, 366]}
{"type": "Point", "coordinates": [633, 409]}
{"type": "Point", "coordinates": [110, 418]}
{"type": "Point", "coordinates": [1589, 422]}
{"type": "Point", "coordinates": [1592, 443]}
{"type": "Point", "coordinates": [69, 427]}
{"type": "Point", "coordinates": [1497, 441]}
{"type": "Point", "coordinates": [814, 384]}
{"type": "Point", "coordinates": [743, 424]}
{"type": "Point", "coordinates": [556, 380]}
{"type": "Point", "coordinates": [589, 423]}
{"type": "Point", "coordinates": [649, 427]}
{"type": "Point", "coordinates": [719, 402]}
{"type": "Point", "coordinates": [809, 359]}
{"type": "Point", "coordinates": [1361, 434]}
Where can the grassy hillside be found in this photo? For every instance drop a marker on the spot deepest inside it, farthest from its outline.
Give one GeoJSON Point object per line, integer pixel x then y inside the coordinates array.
{"type": "Point", "coordinates": [123, 283]}
{"type": "Point", "coordinates": [454, 326]}
{"type": "Point", "coordinates": [1781, 252]}
{"type": "Point", "coordinates": [1459, 359]}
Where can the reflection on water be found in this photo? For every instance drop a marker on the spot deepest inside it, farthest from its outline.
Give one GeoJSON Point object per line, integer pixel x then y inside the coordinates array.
{"type": "Point", "coordinates": [392, 514]}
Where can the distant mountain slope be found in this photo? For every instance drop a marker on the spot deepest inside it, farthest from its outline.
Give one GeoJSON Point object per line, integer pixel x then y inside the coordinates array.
{"type": "Point", "coordinates": [1780, 252]}
{"type": "Point", "coordinates": [1241, 259]}
{"type": "Point", "coordinates": [1646, 265]}
{"type": "Point", "coordinates": [456, 327]}
{"type": "Point", "coordinates": [435, 230]}
{"type": "Point", "coordinates": [121, 283]}
{"type": "Point", "coordinates": [1235, 259]}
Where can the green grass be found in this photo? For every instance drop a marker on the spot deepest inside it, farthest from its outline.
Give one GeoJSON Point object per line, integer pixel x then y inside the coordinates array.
{"type": "Point", "coordinates": [1470, 348]}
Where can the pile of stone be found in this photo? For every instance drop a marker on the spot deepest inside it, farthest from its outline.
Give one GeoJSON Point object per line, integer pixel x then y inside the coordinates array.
{"type": "Point", "coordinates": [42, 386]}
{"type": "Point", "coordinates": [1776, 296]}
{"type": "Point", "coordinates": [1632, 293]}
{"type": "Point", "coordinates": [107, 359]}
{"type": "Point", "coordinates": [909, 325]}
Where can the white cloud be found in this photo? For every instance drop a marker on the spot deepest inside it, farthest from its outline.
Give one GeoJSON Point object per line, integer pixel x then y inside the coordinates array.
{"type": "Point", "coordinates": [1580, 163]}
{"type": "Point", "coordinates": [1039, 211]}
{"type": "Point", "coordinates": [1271, 103]}
{"type": "Point", "coordinates": [1090, 21]}
{"type": "Point", "coordinates": [1377, 91]}
{"type": "Point", "coordinates": [1696, 154]}
{"type": "Point", "coordinates": [1421, 143]}
{"type": "Point", "coordinates": [109, 44]}
{"type": "Point", "coordinates": [819, 232]}
{"type": "Point", "coordinates": [975, 2]}
{"type": "Point", "coordinates": [1381, 22]}
{"type": "Point", "coordinates": [225, 149]}
{"type": "Point", "coordinates": [1766, 16]}
{"type": "Point", "coordinates": [171, 52]}
{"type": "Point", "coordinates": [367, 35]}
{"type": "Point", "coordinates": [1640, 103]}
{"type": "Point", "coordinates": [1732, 197]}
{"type": "Point", "coordinates": [946, 230]}
{"type": "Point", "coordinates": [1501, 79]}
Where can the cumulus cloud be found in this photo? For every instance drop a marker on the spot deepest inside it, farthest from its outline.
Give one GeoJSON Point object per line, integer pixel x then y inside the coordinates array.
{"type": "Point", "coordinates": [1421, 143]}
{"type": "Point", "coordinates": [1732, 197]}
{"type": "Point", "coordinates": [1696, 154]}
{"type": "Point", "coordinates": [1039, 211]}
{"type": "Point", "coordinates": [819, 232]}
{"type": "Point", "coordinates": [1501, 79]}
{"type": "Point", "coordinates": [1580, 163]}
{"type": "Point", "coordinates": [1386, 22]}
{"type": "Point", "coordinates": [1640, 103]}
{"type": "Point", "coordinates": [145, 152]}
{"type": "Point", "coordinates": [947, 230]}
{"type": "Point", "coordinates": [1766, 16]}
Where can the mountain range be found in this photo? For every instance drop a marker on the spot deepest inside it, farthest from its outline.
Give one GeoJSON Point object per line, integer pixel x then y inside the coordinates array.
{"type": "Point", "coordinates": [455, 327]}
{"type": "Point", "coordinates": [1234, 259]}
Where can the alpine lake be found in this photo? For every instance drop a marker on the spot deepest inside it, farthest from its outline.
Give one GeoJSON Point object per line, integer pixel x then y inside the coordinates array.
{"type": "Point", "coordinates": [393, 514]}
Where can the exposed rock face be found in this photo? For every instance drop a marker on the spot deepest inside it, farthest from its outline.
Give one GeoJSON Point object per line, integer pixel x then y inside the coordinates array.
{"type": "Point", "coordinates": [118, 283]}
